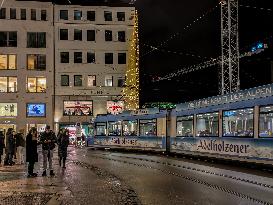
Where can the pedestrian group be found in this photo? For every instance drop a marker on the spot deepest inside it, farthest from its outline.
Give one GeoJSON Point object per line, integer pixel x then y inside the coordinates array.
{"type": "Point", "coordinates": [15, 146]}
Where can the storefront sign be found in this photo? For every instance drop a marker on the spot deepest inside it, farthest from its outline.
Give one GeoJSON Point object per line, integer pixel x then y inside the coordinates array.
{"type": "Point", "coordinates": [8, 109]}
{"type": "Point", "coordinates": [252, 148]}
{"type": "Point", "coordinates": [253, 93]}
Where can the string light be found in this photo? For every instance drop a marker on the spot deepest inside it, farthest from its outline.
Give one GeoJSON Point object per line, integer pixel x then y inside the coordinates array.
{"type": "Point", "coordinates": [131, 89]}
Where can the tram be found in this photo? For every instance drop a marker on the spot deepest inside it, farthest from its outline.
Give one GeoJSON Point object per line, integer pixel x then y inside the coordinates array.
{"type": "Point", "coordinates": [236, 126]}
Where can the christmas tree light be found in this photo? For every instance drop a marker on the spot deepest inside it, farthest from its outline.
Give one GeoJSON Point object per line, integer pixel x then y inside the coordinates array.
{"type": "Point", "coordinates": [131, 90]}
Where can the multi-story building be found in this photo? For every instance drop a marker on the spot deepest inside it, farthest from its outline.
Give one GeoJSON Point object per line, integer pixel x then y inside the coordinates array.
{"type": "Point", "coordinates": [71, 58]}
{"type": "Point", "coordinates": [26, 64]}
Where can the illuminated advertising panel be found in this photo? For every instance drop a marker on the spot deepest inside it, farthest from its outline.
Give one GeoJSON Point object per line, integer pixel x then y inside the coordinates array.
{"type": "Point", "coordinates": [115, 107]}
{"type": "Point", "coordinates": [36, 110]}
{"type": "Point", "coordinates": [78, 108]}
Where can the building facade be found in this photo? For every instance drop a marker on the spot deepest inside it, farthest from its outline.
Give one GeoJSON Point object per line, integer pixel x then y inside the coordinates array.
{"type": "Point", "coordinates": [71, 58]}
{"type": "Point", "coordinates": [26, 65]}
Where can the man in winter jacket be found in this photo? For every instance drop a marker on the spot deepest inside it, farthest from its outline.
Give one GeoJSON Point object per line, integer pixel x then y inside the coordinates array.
{"type": "Point", "coordinates": [48, 140]}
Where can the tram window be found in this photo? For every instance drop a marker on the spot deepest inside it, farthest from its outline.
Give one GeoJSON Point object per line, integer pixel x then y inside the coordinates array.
{"type": "Point", "coordinates": [238, 123]}
{"type": "Point", "coordinates": [184, 126]}
{"type": "Point", "coordinates": [207, 124]}
{"type": "Point", "coordinates": [147, 127]}
{"type": "Point", "coordinates": [266, 122]}
{"type": "Point", "coordinates": [130, 128]}
{"type": "Point", "coordinates": [101, 129]}
{"type": "Point", "coordinates": [114, 128]}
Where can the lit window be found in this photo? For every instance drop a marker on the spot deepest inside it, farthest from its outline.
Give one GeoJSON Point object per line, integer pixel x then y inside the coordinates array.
{"type": "Point", "coordinates": [8, 109]}
{"type": "Point", "coordinates": [7, 62]}
{"type": "Point", "coordinates": [109, 80]}
{"type": "Point", "coordinates": [91, 81]}
{"type": "Point", "coordinates": [8, 84]}
{"type": "Point", "coordinates": [114, 128]}
{"type": "Point", "coordinates": [207, 124]}
{"type": "Point", "coordinates": [36, 62]}
{"type": "Point", "coordinates": [238, 123]}
{"type": "Point", "coordinates": [36, 85]}
{"type": "Point", "coordinates": [77, 15]}
{"type": "Point", "coordinates": [100, 128]}
{"type": "Point", "coordinates": [130, 128]}
{"type": "Point", "coordinates": [184, 126]}
{"type": "Point", "coordinates": [266, 122]}
{"type": "Point", "coordinates": [147, 127]}
{"type": "Point", "coordinates": [107, 15]}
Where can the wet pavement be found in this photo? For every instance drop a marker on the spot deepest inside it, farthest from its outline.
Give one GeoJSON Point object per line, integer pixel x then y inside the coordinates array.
{"type": "Point", "coordinates": [104, 177]}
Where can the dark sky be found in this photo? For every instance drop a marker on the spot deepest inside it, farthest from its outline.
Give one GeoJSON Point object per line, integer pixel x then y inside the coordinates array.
{"type": "Point", "coordinates": [160, 19]}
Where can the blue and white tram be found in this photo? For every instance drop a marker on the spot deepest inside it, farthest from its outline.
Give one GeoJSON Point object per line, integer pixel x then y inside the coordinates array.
{"type": "Point", "coordinates": [235, 126]}
{"type": "Point", "coordinates": [141, 129]}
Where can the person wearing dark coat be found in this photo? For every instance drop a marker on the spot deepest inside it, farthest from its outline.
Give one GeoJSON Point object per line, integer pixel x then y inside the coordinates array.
{"type": "Point", "coordinates": [31, 151]}
{"type": "Point", "coordinates": [63, 142]}
{"type": "Point", "coordinates": [2, 145]}
{"type": "Point", "coordinates": [10, 147]}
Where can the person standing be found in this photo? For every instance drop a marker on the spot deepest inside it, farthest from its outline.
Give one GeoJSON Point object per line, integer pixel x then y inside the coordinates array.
{"type": "Point", "coordinates": [48, 140]}
{"type": "Point", "coordinates": [10, 147]}
{"type": "Point", "coordinates": [63, 142]}
{"type": "Point", "coordinates": [2, 145]}
{"type": "Point", "coordinates": [20, 144]}
{"type": "Point", "coordinates": [31, 151]}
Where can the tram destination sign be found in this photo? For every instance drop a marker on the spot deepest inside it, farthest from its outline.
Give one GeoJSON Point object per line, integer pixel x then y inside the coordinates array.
{"type": "Point", "coordinates": [254, 93]}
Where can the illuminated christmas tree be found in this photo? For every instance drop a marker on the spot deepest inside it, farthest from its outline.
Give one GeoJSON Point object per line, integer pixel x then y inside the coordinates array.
{"type": "Point", "coordinates": [131, 90]}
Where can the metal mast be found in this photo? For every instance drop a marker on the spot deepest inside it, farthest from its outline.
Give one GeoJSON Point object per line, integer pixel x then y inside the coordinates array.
{"type": "Point", "coordinates": [230, 81]}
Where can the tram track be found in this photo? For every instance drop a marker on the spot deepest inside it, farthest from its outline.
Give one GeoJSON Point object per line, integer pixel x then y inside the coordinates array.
{"type": "Point", "coordinates": [188, 178]}
{"type": "Point", "coordinates": [253, 182]}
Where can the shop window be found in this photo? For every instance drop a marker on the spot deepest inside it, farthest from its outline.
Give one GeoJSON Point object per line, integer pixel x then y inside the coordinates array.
{"type": "Point", "coordinates": [115, 107]}
{"type": "Point", "coordinates": [77, 15]}
{"type": "Point", "coordinates": [2, 13]}
{"type": "Point", "coordinates": [8, 84]}
{"type": "Point", "coordinates": [77, 34]}
{"type": "Point", "coordinates": [64, 80]}
{"type": "Point", "coordinates": [23, 14]}
{"type": "Point", "coordinates": [130, 128]}
{"type": "Point", "coordinates": [36, 62]}
{"type": "Point", "coordinates": [109, 81]}
{"type": "Point", "coordinates": [77, 80]}
{"type": "Point", "coordinates": [36, 39]}
{"type": "Point", "coordinates": [64, 14]}
{"type": "Point", "coordinates": [8, 39]}
{"type": "Point", "coordinates": [12, 13]}
{"type": "Point", "coordinates": [122, 58]}
{"type": "Point", "coordinates": [107, 16]}
{"type": "Point", "coordinates": [91, 81]}
{"type": "Point", "coordinates": [8, 62]}
{"type": "Point", "coordinates": [266, 122]}
{"type": "Point", "coordinates": [36, 85]}
{"type": "Point", "coordinates": [63, 34]}
{"type": "Point", "coordinates": [33, 14]}
{"type": "Point", "coordinates": [121, 16]}
{"type": "Point", "coordinates": [64, 57]}
{"type": "Point", "coordinates": [101, 129]}
{"type": "Point", "coordinates": [43, 15]}
{"type": "Point", "coordinates": [184, 126]}
{"type": "Point", "coordinates": [91, 35]}
{"type": "Point", "coordinates": [91, 57]}
{"type": "Point", "coordinates": [108, 35]}
{"type": "Point", "coordinates": [8, 109]}
{"type": "Point", "coordinates": [108, 58]}
{"type": "Point", "coordinates": [77, 57]}
{"type": "Point", "coordinates": [207, 124]}
{"type": "Point", "coordinates": [114, 128]}
{"type": "Point", "coordinates": [121, 36]}
{"type": "Point", "coordinates": [147, 127]}
{"type": "Point", "coordinates": [238, 123]}
{"type": "Point", "coordinates": [91, 15]}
